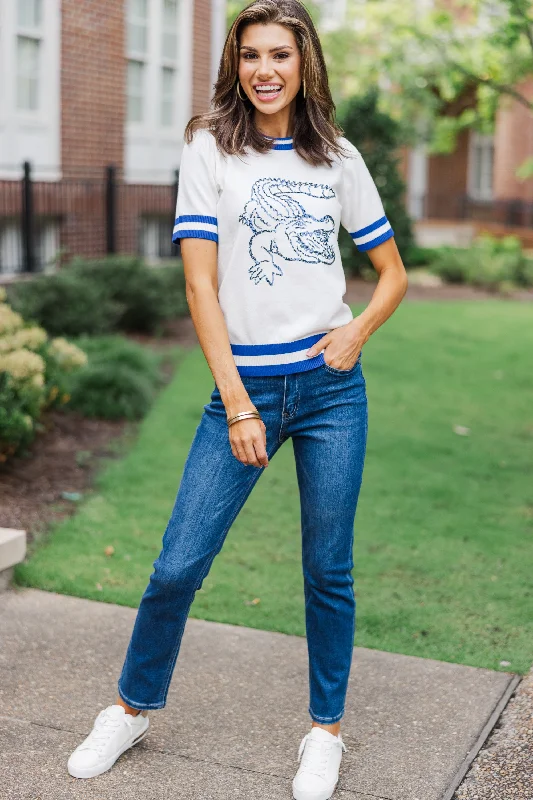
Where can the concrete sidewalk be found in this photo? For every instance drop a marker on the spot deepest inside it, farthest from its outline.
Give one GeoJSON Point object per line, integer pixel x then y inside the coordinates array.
{"type": "Point", "coordinates": [236, 712]}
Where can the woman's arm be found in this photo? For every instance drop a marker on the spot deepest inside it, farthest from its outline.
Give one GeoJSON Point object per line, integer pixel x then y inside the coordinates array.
{"type": "Point", "coordinates": [344, 344]}
{"type": "Point", "coordinates": [248, 436]}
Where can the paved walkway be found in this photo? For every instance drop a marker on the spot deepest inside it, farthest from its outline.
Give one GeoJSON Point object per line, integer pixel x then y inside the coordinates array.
{"type": "Point", "coordinates": [237, 710]}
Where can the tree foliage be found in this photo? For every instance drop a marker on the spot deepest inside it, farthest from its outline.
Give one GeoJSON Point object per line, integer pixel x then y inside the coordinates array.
{"type": "Point", "coordinates": [378, 137]}
{"type": "Point", "coordinates": [441, 70]}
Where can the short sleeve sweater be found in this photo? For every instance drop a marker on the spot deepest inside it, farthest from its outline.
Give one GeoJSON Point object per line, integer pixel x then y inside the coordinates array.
{"type": "Point", "coordinates": [276, 220]}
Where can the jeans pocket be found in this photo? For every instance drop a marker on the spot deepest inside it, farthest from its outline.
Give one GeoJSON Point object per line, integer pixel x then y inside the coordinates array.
{"type": "Point", "coordinates": [335, 371]}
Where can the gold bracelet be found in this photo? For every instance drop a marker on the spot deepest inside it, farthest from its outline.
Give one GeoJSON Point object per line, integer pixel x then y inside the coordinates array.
{"type": "Point", "coordinates": [243, 415]}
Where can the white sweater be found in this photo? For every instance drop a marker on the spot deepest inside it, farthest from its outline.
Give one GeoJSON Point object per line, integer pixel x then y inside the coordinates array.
{"type": "Point", "coordinates": [276, 221]}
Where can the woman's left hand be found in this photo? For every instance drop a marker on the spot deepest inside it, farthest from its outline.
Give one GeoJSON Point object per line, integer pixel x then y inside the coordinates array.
{"type": "Point", "coordinates": [341, 345]}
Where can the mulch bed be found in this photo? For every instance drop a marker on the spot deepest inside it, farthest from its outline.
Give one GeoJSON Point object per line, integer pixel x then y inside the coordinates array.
{"type": "Point", "coordinates": [62, 458]}
{"type": "Point", "coordinates": [66, 454]}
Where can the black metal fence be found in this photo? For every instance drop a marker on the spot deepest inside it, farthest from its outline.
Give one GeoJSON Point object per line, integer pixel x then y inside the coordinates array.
{"type": "Point", "coordinates": [513, 213]}
{"type": "Point", "coordinates": [45, 222]}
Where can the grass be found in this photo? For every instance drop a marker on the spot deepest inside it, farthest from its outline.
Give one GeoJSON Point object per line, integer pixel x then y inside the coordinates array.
{"type": "Point", "coordinates": [444, 529]}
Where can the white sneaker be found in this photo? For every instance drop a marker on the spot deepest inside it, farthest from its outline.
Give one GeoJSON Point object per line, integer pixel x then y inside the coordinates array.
{"type": "Point", "coordinates": [114, 732]}
{"type": "Point", "coordinates": [318, 774]}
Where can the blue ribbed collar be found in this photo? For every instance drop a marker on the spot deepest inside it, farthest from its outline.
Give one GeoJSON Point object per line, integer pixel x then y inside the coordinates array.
{"type": "Point", "coordinates": [281, 143]}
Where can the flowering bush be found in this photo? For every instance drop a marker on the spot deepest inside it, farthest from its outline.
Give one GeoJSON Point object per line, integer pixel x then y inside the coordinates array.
{"type": "Point", "coordinates": [34, 374]}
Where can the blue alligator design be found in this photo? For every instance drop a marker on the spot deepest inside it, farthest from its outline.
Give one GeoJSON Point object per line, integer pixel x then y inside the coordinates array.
{"type": "Point", "coordinates": [283, 230]}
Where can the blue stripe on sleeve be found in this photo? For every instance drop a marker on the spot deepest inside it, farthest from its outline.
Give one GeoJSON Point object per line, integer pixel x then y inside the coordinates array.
{"type": "Point", "coordinates": [369, 228]}
{"type": "Point", "coordinates": [374, 242]}
{"type": "Point", "coordinates": [195, 233]}
{"type": "Point", "coordinates": [196, 218]}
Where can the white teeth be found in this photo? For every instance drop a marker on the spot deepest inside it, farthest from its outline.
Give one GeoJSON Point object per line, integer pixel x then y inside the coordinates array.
{"type": "Point", "coordinates": [268, 88]}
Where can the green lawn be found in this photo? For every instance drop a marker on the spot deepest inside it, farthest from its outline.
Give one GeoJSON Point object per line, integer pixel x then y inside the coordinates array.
{"type": "Point", "coordinates": [444, 530]}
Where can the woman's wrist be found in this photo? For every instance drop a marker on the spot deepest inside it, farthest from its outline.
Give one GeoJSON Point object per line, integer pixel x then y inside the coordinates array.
{"type": "Point", "coordinates": [362, 329]}
{"type": "Point", "coordinates": [236, 399]}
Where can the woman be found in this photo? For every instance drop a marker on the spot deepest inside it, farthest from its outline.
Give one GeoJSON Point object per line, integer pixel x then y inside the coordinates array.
{"type": "Point", "coordinates": [266, 178]}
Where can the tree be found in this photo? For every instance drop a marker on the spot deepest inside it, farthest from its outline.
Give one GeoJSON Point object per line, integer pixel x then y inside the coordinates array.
{"type": "Point", "coordinates": [378, 137]}
{"type": "Point", "coordinates": [471, 57]}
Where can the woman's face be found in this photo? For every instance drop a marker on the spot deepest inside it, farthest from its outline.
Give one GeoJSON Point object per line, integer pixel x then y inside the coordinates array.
{"type": "Point", "coordinates": [269, 66]}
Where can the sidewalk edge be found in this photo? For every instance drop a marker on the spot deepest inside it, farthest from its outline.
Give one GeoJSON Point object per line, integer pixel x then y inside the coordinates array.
{"type": "Point", "coordinates": [484, 734]}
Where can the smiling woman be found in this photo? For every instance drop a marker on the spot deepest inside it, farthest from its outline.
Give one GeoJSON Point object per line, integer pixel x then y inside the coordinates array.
{"type": "Point", "coordinates": [266, 179]}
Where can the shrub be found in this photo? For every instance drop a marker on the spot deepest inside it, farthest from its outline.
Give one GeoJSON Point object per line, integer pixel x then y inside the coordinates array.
{"type": "Point", "coordinates": [527, 272]}
{"type": "Point", "coordinates": [147, 295]}
{"type": "Point", "coordinates": [119, 380]}
{"type": "Point", "coordinates": [112, 391]}
{"type": "Point", "coordinates": [451, 263]}
{"type": "Point", "coordinates": [20, 406]}
{"type": "Point", "coordinates": [491, 263]}
{"type": "Point", "coordinates": [416, 256]}
{"type": "Point", "coordinates": [34, 374]}
{"type": "Point", "coordinates": [66, 304]}
{"type": "Point", "coordinates": [101, 296]}
{"type": "Point", "coordinates": [119, 350]}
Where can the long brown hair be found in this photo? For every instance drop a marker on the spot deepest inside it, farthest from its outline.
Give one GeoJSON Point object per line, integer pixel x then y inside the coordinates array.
{"type": "Point", "coordinates": [231, 118]}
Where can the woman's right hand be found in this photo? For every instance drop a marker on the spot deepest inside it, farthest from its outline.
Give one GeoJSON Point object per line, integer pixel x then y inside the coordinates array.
{"type": "Point", "coordinates": [248, 441]}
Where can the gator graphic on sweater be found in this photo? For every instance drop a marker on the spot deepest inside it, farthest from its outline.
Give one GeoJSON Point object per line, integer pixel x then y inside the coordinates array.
{"type": "Point", "coordinates": [283, 231]}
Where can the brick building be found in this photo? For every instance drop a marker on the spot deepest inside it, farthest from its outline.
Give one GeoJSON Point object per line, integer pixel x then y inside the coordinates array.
{"type": "Point", "coordinates": [475, 189]}
{"type": "Point", "coordinates": [96, 98]}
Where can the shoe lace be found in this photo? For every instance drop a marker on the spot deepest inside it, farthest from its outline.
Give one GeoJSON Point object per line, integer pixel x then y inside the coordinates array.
{"type": "Point", "coordinates": [104, 727]}
{"type": "Point", "coordinates": [315, 755]}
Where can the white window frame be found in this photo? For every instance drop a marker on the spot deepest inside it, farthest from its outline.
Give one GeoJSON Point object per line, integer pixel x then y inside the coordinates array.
{"type": "Point", "coordinates": [31, 135]}
{"type": "Point", "coordinates": [34, 75]}
{"type": "Point", "coordinates": [34, 34]}
{"type": "Point", "coordinates": [152, 149]}
{"type": "Point", "coordinates": [480, 187]}
{"type": "Point", "coordinates": [141, 96]}
{"type": "Point", "coordinates": [168, 63]}
{"type": "Point", "coordinates": [138, 57]}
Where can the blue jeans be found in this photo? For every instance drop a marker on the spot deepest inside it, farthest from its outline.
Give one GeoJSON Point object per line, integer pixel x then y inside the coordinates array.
{"type": "Point", "coordinates": [324, 411]}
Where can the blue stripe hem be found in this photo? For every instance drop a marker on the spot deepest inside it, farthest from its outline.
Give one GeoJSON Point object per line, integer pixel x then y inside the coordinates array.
{"type": "Point", "coordinates": [275, 349]}
{"type": "Point", "coordinates": [194, 233]}
{"type": "Point", "coordinates": [282, 369]}
{"type": "Point", "coordinates": [374, 242]}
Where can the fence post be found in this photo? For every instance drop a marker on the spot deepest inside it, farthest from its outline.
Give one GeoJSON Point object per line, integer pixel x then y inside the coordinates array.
{"type": "Point", "coordinates": [111, 209]}
{"type": "Point", "coordinates": [27, 220]}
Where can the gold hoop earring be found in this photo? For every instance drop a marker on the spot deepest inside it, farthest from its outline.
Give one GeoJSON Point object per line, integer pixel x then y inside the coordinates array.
{"type": "Point", "coordinates": [303, 82]}
{"type": "Point", "coordinates": [238, 90]}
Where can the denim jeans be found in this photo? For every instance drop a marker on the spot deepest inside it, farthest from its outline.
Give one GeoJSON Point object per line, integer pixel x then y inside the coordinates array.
{"type": "Point", "coordinates": [324, 411]}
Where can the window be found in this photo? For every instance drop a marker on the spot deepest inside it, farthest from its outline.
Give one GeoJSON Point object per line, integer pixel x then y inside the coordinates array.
{"type": "Point", "coordinates": [170, 30]}
{"type": "Point", "coordinates": [30, 13]}
{"type": "Point", "coordinates": [154, 241]}
{"type": "Point", "coordinates": [480, 166]}
{"type": "Point", "coordinates": [169, 53]}
{"type": "Point", "coordinates": [11, 257]}
{"type": "Point", "coordinates": [136, 72]}
{"type": "Point", "coordinates": [137, 27]}
{"type": "Point", "coordinates": [28, 52]}
{"type": "Point", "coordinates": [138, 53]}
{"type": "Point", "coordinates": [28, 73]}
{"type": "Point", "coordinates": [46, 245]}
{"type": "Point", "coordinates": [167, 96]}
